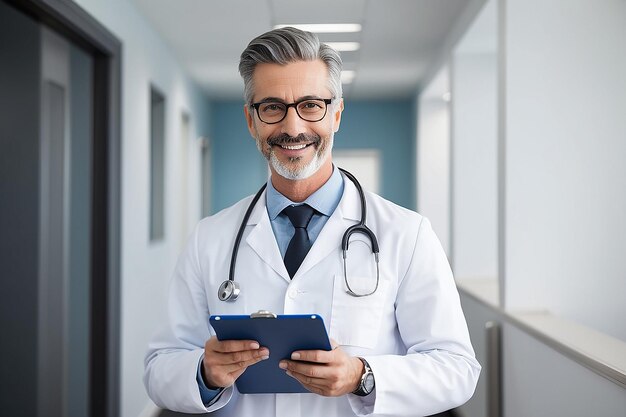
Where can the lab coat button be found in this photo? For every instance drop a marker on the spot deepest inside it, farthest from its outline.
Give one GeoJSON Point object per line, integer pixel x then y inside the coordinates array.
{"type": "Point", "coordinates": [293, 293]}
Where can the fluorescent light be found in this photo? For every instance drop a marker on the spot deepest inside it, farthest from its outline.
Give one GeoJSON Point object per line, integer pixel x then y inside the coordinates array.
{"type": "Point", "coordinates": [344, 46]}
{"type": "Point", "coordinates": [347, 76]}
{"type": "Point", "coordinates": [325, 27]}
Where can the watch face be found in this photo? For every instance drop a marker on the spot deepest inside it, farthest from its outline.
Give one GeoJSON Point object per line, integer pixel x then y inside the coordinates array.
{"type": "Point", "coordinates": [368, 384]}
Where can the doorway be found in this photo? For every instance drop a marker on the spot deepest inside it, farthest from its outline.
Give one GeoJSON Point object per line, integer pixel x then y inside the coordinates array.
{"type": "Point", "coordinates": [59, 211]}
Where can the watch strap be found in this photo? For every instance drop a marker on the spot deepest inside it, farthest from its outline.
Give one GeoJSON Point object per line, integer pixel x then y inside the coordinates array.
{"type": "Point", "coordinates": [362, 390]}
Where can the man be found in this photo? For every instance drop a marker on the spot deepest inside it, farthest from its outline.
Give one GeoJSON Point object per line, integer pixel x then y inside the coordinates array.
{"type": "Point", "coordinates": [401, 350]}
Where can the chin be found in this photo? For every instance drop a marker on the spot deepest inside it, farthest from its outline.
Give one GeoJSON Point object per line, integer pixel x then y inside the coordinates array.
{"type": "Point", "coordinates": [297, 172]}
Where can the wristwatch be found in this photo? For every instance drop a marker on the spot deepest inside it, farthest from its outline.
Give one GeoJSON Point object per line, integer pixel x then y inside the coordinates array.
{"type": "Point", "coordinates": [367, 384]}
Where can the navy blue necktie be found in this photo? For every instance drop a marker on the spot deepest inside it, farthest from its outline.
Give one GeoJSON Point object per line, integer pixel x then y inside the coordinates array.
{"type": "Point", "coordinates": [299, 246]}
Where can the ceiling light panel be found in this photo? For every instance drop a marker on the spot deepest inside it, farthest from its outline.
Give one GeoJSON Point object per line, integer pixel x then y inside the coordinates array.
{"type": "Point", "coordinates": [325, 27]}
{"type": "Point", "coordinates": [344, 46]}
{"type": "Point", "coordinates": [319, 11]}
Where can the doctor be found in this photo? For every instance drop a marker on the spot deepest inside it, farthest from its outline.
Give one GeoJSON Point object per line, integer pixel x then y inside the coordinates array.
{"type": "Point", "coordinates": [401, 342]}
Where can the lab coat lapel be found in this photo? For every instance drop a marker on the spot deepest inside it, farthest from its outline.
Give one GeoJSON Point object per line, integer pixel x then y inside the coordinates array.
{"type": "Point", "coordinates": [348, 213]}
{"type": "Point", "coordinates": [262, 240]}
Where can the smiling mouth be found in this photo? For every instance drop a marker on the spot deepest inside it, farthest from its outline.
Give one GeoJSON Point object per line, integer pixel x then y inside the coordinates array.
{"type": "Point", "coordinates": [296, 147]}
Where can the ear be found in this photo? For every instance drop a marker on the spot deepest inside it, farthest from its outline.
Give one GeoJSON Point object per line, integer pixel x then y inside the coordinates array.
{"type": "Point", "coordinates": [249, 120]}
{"type": "Point", "coordinates": [337, 115]}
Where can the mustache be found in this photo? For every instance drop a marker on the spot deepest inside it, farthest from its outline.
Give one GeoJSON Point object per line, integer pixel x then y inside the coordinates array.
{"type": "Point", "coordinates": [285, 139]}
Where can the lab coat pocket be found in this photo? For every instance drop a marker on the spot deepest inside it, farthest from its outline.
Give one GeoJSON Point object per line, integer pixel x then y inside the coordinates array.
{"type": "Point", "coordinates": [355, 321]}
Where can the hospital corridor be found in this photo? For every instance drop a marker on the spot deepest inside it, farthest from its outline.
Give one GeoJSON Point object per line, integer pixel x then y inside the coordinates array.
{"type": "Point", "coordinates": [125, 123]}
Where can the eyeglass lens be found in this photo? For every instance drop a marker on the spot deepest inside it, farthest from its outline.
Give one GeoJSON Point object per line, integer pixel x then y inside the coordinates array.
{"type": "Point", "coordinates": [310, 110]}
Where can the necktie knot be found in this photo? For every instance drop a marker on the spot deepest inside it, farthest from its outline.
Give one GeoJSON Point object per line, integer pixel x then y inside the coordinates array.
{"type": "Point", "coordinates": [300, 216]}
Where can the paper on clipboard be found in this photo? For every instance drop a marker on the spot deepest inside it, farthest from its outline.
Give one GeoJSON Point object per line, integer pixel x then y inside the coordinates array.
{"type": "Point", "coordinates": [282, 335]}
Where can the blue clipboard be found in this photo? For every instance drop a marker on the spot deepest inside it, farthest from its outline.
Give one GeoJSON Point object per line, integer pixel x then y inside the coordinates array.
{"type": "Point", "coordinates": [282, 335]}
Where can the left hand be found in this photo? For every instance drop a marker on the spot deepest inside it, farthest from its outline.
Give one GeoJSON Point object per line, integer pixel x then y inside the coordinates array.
{"type": "Point", "coordinates": [328, 373]}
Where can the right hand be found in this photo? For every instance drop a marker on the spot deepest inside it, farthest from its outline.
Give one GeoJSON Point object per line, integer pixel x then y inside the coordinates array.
{"type": "Point", "coordinates": [224, 361]}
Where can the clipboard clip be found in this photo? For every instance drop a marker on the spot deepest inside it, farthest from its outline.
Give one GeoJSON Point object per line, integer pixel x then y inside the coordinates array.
{"type": "Point", "coordinates": [263, 314]}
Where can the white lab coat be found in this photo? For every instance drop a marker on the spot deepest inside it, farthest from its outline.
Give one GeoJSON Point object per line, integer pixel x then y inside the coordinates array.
{"type": "Point", "coordinates": [411, 331]}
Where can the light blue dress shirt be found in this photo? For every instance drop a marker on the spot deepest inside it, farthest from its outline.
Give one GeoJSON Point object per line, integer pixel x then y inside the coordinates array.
{"type": "Point", "coordinates": [324, 201]}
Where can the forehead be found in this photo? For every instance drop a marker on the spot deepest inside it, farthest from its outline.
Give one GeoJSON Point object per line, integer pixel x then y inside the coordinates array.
{"type": "Point", "coordinates": [291, 81]}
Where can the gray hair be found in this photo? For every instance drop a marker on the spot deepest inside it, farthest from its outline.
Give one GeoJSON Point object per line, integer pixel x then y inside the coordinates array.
{"type": "Point", "coordinates": [284, 46]}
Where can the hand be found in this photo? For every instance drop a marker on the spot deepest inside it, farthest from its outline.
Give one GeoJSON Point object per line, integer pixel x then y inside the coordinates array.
{"type": "Point", "coordinates": [224, 361]}
{"type": "Point", "coordinates": [328, 373]}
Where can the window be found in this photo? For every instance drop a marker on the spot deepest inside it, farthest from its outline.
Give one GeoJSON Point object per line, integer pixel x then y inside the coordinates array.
{"type": "Point", "coordinates": [157, 165]}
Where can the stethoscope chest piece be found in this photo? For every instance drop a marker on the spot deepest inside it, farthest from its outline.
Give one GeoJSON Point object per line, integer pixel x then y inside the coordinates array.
{"type": "Point", "coordinates": [228, 291]}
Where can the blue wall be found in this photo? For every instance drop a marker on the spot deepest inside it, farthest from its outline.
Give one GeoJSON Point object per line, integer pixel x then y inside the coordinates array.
{"type": "Point", "coordinates": [389, 127]}
{"type": "Point", "coordinates": [238, 169]}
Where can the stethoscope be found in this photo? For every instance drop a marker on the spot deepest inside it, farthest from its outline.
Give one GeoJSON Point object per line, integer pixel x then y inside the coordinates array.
{"type": "Point", "coordinates": [230, 289]}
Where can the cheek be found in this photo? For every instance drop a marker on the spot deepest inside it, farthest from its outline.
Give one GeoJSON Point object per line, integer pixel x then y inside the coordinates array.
{"type": "Point", "coordinates": [265, 132]}
{"type": "Point", "coordinates": [325, 131]}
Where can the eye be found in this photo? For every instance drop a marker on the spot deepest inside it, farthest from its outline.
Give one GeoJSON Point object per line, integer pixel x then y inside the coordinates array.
{"type": "Point", "coordinates": [272, 107]}
{"type": "Point", "coordinates": [311, 106]}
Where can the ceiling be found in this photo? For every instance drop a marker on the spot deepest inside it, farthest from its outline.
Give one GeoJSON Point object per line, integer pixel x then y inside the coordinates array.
{"type": "Point", "coordinates": [400, 39]}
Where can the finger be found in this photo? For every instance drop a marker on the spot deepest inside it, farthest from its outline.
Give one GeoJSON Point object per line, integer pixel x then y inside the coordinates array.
{"type": "Point", "coordinates": [226, 346]}
{"type": "Point", "coordinates": [317, 386]}
{"type": "Point", "coordinates": [221, 359]}
{"type": "Point", "coordinates": [239, 357]}
{"type": "Point", "coordinates": [239, 367]}
{"type": "Point", "coordinates": [220, 374]}
{"type": "Point", "coordinates": [308, 370]}
{"type": "Point", "coordinates": [309, 382]}
{"type": "Point", "coordinates": [236, 357]}
{"type": "Point", "coordinates": [317, 356]}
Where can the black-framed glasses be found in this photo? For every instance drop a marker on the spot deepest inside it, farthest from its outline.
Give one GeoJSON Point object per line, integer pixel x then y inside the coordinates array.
{"type": "Point", "coordinates": [309, 109]}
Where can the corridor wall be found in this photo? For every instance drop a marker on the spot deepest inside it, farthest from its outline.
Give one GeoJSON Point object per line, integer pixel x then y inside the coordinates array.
{"type": "Point", "coordinates": [564, 129]}
{"type": "Point", "coordinates": [146, 266]}
{"type": "Point", "coordinates": [557, 296]}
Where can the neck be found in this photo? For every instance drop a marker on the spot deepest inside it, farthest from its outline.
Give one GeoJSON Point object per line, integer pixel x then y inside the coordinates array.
{"type": "Point", "coordinates": [299, 190]}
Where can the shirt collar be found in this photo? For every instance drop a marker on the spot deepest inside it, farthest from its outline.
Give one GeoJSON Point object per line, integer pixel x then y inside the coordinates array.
{"type": "Point", "coordinates": [325, 200]}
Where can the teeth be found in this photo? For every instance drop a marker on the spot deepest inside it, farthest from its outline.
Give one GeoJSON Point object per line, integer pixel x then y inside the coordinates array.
{"type": "Point", "coordinates": [294, 147]}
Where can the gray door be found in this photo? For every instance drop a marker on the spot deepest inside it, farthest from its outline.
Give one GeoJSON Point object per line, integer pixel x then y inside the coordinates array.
{"type": "Point", "coordinates": [46, 109]}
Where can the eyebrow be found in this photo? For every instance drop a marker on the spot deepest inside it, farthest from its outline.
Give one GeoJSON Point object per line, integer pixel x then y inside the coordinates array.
{"type": "Point", "coordinates": [280, 100]}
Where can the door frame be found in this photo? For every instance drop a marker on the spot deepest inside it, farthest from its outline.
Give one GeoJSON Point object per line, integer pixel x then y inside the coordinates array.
{"type": "Point", "coordinates": [69, 19]}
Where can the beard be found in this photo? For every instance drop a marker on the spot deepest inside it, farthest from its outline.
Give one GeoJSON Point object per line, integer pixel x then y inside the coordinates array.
{"type": "Point", "coordinates": [295, 169]}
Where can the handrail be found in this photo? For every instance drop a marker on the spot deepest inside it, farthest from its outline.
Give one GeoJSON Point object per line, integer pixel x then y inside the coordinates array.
{"type": "Point", "coordinates": [608, 361]}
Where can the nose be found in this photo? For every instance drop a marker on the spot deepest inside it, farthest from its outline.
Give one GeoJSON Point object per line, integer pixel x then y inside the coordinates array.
{"type": "Point", "coordinates": [292, 124]}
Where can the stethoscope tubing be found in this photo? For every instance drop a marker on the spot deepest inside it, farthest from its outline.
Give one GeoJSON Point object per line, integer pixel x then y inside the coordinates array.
{"type": "Point", "coordinates": [229, 290]}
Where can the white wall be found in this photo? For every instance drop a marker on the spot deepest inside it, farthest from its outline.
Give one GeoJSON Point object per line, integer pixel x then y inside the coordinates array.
{"type": "Point", "coordinates": [146, 267]}
{"type": "Point", "coordinates": [474, 79]}
{"type": "Point", "coordinates": [558, 159]}
{"type": "Point", "coordinates": [433, 156]}
{"type": "Point", "coordinates": [565, 172]}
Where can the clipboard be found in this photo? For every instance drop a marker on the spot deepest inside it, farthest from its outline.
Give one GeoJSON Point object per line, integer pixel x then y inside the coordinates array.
{"type": "Point", "coordinates": [282, 335]}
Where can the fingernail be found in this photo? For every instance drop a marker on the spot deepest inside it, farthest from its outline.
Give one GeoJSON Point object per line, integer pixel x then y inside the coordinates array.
{"type": "Point", "coordinates": [282, 365]}
{"type": "Point", "coordinates": [254, 345]}
{"type": "Point", "coordinates": [295, 356]}
{"type": "Point", "coordinates": [265, 357]}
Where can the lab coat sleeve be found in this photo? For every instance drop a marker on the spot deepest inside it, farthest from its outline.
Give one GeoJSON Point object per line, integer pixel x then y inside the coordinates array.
{"type": "Point", "coordinates": [439, 370]}
{"type": "Point", "coordinates": [171, 362]}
